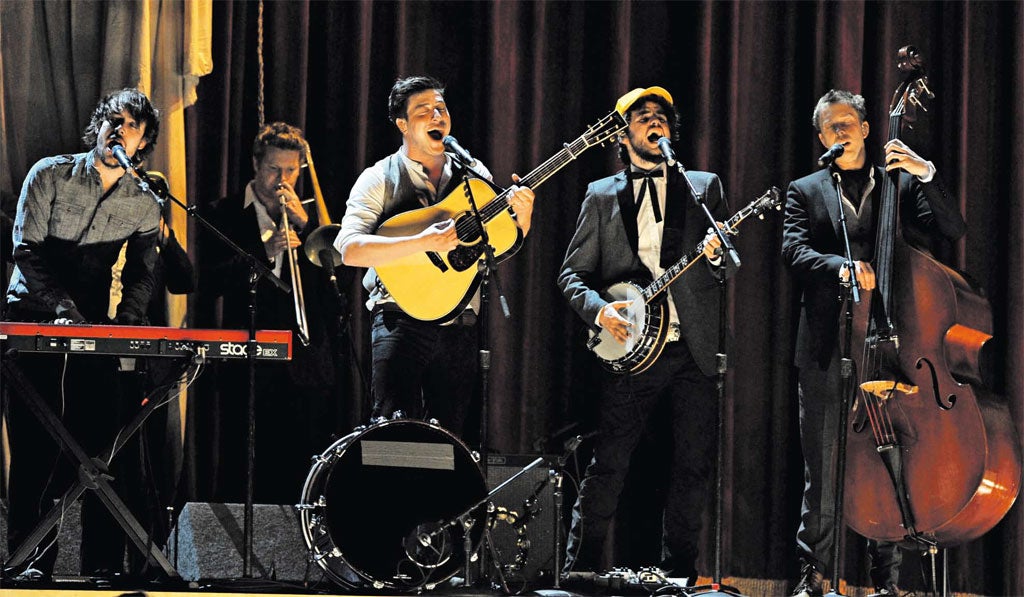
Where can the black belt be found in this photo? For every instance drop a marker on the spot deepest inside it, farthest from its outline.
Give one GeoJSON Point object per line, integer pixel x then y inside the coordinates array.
{"type": "Point", "coordinates": [466, 318]}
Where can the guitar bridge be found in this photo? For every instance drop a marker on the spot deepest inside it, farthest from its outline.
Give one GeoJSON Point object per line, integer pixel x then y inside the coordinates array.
{"type": "Point", "coordinates": [437, 261]}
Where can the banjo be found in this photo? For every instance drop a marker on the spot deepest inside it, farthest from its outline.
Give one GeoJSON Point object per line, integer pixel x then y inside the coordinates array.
{"type": "Point", "coordinates": [647, 311]}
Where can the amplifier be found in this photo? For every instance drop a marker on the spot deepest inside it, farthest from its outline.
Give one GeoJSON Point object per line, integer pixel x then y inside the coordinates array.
{"type": "Point", "coordinates": [524, 526]}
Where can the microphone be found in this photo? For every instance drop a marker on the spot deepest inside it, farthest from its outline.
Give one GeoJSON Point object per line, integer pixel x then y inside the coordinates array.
{"type": "Point", "coordinates": [830, 156]}
{"type": "Point", "coordinates": [666, 150]}
{"type": "Point", "coordinates": [452, 145]}
{"type": "Point", "coordinates": [327, 262]}
{"type": "Point", "coordinates": [122, 157]}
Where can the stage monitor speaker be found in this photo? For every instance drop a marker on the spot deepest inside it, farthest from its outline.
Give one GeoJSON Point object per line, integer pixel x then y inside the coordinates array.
{"type": "Point", "coordinates": [523, 540]}
{"type": "Point", "coordinates": [206, 544]}
{"type": "Point", "coordinates": [69, 541]}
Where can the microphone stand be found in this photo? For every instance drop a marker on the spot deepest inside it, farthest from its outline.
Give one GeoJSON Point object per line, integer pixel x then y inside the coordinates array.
{"type": "Point", "coordinates": [158, 189]}
{"type": "Point", "coordinates": [344, 315]}
{"type": "Point", "coordinates": [557, 474]}
{"type": "Point", "coordinates": [852, 295]}
{"type": "Point", "coordinates": [729, 254]}
{"type": "Point", "coordinates": [721, 366]}
{"type": "Point", "coordinates": [487, 268]}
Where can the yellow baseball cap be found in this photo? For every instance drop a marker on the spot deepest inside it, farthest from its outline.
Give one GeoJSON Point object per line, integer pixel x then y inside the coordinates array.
{"type": "Point", "coordinates": [630, 98]}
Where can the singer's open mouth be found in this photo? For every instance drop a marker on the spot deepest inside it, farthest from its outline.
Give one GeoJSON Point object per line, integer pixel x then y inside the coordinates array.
{"type": "Point", "coordinates": [654, 136]}
{"type": "Point", "coordinates": [435, 134]}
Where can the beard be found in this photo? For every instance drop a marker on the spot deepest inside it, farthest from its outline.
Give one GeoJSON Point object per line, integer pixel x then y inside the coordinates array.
{"type": "Point", "coordinates": [649, 156]}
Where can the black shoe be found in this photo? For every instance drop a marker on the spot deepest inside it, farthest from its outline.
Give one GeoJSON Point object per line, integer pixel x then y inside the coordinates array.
{"type": "Point", "coordinates": [810, 581]}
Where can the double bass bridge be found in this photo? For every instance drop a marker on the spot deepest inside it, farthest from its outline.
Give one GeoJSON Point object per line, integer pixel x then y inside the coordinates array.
{"type": "Point", "coordinates": [887, 388]}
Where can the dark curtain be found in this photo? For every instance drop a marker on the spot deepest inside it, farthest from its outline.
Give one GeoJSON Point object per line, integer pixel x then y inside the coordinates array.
{"type": "Point", "coordinates": [525, 77]}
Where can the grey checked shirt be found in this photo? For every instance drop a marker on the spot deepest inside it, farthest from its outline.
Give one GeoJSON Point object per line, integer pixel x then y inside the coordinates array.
{"type": "Point", "coordinates": [68, 234]}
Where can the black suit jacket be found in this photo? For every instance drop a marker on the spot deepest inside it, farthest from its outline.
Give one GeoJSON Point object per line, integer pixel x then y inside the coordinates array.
{"type": "Point", "coordinates": [812, 247]}
{"type": "Point", "coordinates": [603, 251]}
{"type": "Point", "coordinates": [225, 274]}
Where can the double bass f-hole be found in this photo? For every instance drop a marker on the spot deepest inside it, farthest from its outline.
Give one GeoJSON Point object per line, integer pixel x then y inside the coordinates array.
{"type": "Point", "coordinates": [950, 400]}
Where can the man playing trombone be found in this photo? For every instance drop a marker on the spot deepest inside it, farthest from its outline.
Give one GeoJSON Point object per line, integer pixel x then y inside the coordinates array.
{"type": "Point", "coordinates": [297, 409]}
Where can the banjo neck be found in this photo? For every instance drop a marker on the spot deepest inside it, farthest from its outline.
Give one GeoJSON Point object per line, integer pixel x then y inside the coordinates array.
{"type": "Point", "coordinates": [771, 198]}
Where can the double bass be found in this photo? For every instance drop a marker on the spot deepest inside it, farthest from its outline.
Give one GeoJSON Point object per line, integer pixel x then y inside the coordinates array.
{"type": "Point", "coordinates": [932, 454]}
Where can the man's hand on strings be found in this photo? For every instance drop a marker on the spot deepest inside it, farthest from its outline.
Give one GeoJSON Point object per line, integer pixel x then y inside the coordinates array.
{"type": "Point", "coordinates": [440, 237]}
{"type": "Point", "coordinates": [713, 244]}
{"type": "Point", "coordinates": [612, 320]}
{"type": "Point", "coordinates": [899, 155]}
{"type": "Point", "coordinates": [865, 275]}
{"type": "Point", "coordinates": [521, 201]}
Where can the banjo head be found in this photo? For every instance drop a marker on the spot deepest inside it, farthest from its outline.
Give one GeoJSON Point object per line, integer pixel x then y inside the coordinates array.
{"type": "Point", "coordinates": [616, 355]}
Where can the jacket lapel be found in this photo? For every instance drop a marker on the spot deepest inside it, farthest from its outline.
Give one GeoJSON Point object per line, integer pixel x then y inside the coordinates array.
{"type": "Point", "coordinates": [828, 191]}
{"type": "Point", "coordinates": [677, 201]}
{"type": "Point", "coordinates": [627, 207]}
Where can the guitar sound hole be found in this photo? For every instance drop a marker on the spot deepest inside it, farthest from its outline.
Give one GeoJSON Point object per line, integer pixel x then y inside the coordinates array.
{"type": "Point", "coordinates": [467, 230]}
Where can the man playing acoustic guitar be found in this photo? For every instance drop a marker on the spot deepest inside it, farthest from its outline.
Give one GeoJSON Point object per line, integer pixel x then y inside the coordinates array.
{"type": "Point", "coordinates": [423, 368]}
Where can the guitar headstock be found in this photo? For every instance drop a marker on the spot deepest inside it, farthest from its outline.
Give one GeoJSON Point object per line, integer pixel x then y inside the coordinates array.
{"type": "Point", "coordinates": [771, 199]}
{"type": "Point", "coordinates": [604, 130]}
{"type": "Point", "coordinates": [913, 92]}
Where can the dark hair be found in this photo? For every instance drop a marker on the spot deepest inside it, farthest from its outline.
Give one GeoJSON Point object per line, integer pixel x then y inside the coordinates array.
{"type": "Point", "coordinates": [280, 135]}
{"type": "Point", "coordinates": [839, 96]}
{"type": "Point", "coordinates": [138, 105]}
{"type": "Point", "coordinates": [670, 114]}
{"type": "Point", "coordinates": [398, 99]}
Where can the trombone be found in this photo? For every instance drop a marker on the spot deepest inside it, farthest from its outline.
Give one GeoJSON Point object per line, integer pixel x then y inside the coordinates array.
{"type": "Point", "coordinates": [298, 299]}
{"type": "Point", "coordinates": [320, 243]}
{"type": "Point", "coordinates": [319, 247]}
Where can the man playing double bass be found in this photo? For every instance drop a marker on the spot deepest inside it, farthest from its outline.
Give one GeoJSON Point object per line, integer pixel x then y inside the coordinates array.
{"type": "Point", "coordinates": [812, 247]}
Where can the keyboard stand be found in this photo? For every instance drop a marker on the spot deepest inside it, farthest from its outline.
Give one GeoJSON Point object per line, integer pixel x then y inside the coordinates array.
{"type": "Point", "coordinates": [92, 475]}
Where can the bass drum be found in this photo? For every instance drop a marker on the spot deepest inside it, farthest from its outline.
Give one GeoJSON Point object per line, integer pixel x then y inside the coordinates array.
{"type": "Point", "coordinates": [377, 504]}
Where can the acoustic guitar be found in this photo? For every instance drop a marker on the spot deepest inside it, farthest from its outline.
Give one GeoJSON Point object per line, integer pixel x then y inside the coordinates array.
{"type": "Point", "coordinates": [432, 286]}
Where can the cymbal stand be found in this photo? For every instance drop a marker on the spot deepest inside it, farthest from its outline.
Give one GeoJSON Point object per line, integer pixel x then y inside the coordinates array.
{"type": "Point", "coordinates": [466, 522]}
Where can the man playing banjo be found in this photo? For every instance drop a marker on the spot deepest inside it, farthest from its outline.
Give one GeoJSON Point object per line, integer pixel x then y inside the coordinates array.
{"type": "Point", "coordinates": [632, 225]}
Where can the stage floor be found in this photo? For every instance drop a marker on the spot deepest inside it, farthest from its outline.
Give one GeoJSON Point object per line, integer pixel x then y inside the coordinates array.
{"type": "Point", "coordinates": [80, 587]}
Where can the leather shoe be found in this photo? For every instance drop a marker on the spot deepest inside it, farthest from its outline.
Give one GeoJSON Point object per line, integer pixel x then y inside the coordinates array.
{"type": "Point", "coordinates": [810, 582]}
{"type": "Point", "coordinates": [30, 575]}
{"type": "Point", "coordinates": [888, 590]}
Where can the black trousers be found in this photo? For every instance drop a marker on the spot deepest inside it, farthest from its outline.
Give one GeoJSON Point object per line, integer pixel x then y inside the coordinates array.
{"type": "Point", "coordinates": [423, 369]}
{"type": "Point", "coordinates": [626, 405]}
{"type": "Point", "coordinates": [820, 395]}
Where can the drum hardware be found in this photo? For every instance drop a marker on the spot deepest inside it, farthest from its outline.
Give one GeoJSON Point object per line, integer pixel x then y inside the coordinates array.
{"type": "Point", "coordinates": [365, 528]}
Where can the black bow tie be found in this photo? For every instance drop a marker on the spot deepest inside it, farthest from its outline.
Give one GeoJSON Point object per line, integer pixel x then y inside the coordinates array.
{"type": "Point", "coordinates": [648, 183]}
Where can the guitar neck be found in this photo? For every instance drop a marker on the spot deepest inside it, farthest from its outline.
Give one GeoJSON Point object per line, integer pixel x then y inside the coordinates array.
{"type": "Point", "coordinates": [676, 269]}
{"type": "Point", "coordinates": [606, 128]}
